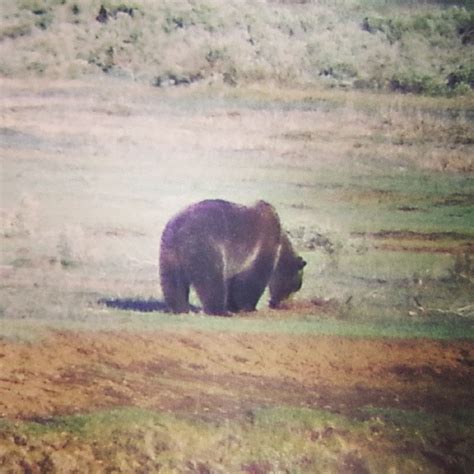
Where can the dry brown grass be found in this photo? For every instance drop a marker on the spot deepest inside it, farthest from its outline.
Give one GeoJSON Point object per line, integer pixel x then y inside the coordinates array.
{"type": "Point", "coordinates": [92, 171]}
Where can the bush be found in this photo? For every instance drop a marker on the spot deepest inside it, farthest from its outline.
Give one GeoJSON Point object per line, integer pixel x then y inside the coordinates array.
{"type": "Point", "coordinates": [43, 11]}
{"type": "Point", "coordinates": [393, 29]}
{"type": "Point", "coordinates": [198, 15]}
{"type": "Point", "coordinates": [461, 77]}
{"type": "Point", "coordinates": [458, 82]}
{"type": "Point", "coordinates": [15, 31]}
{"type": "Point", "coordinates": [414, 83]}
{"type": "Point", "coordinates": [449, 23]}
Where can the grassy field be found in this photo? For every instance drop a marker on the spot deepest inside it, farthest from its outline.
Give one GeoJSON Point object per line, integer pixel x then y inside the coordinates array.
{"type": "Point", "coordinates": [354, 119]}
{"type": "Point", "coordinates": [384, 221]}
{"type": "Point", "coordinates": [368, 369]}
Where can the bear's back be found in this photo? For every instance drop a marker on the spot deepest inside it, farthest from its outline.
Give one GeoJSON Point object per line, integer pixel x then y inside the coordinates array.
{"type": "Point", "coordinates": [239, 233]}
{"type": "Point", "coordinates": [217, 218]}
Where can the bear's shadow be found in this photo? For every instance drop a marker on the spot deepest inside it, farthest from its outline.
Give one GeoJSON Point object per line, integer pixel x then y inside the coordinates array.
{"type": "Point", "coordinates": [140, 305]}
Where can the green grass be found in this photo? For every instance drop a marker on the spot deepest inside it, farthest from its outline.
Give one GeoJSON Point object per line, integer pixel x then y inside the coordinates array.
{"type": "Point", "coordinates": [278, 438]}
{"type": "Point", "coordinates": [441, 327]}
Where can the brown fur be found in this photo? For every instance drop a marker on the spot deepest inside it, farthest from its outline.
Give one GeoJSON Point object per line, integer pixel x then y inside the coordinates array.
{"type": "Point", "coordinates": [229, 253]}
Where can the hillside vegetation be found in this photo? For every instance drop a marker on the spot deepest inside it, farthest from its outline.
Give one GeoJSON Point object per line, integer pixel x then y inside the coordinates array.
{"type": "Point", "coordinates": [406, 46]}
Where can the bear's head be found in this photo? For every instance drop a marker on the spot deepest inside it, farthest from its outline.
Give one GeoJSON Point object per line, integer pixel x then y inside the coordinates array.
{"type": "Point", "coordinates": [287, 277]}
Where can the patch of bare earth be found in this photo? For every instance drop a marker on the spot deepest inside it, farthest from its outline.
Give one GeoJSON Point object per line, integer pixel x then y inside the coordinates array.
{"type": "Point", "coordinates": [432, 242]}
{"type": "Point", "coordinates": [219, 374]}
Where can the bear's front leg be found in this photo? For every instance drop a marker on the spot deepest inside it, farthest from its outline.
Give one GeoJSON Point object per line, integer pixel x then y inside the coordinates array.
{"type": "Point", "coordinates": [246, 288]}
{"type": "Point", "coordinates": [244, 293]}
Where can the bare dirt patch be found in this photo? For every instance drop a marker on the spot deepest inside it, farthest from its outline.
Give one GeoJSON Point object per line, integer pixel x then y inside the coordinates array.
{"type": "Point", "coordinates": [410, 241]}
{"type": "Point", "coordinates": [204, 373]}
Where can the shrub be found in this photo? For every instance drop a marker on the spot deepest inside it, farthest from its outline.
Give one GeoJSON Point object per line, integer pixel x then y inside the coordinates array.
{"type": "Point", "coordinates": [461, 77]}
{"type": "Point", "coordinates": [415, 83]}
{"type": "Point", "coordinates": [15, 31]}
{"type": "Point", "coordinates": [199, 14]}
{"type": "Point", "coordinates": [464, 22]}
{"type": "Point", "coordinates": [392, 28]}
{"type": "Point", "coordinates": [42, 11]}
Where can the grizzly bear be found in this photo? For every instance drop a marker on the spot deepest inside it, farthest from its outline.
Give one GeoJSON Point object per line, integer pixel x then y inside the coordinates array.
{"type": "Point", "coordinates": [229, 253]}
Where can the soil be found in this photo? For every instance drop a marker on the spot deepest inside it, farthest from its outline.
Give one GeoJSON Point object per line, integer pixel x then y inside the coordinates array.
{"type": "Point", "coordinates": [430, 242]}
{"type": "Point", "coordinates": [226, 374]}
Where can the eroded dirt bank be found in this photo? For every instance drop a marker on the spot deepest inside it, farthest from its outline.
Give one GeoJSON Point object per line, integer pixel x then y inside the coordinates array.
{"type": "Point", "coordinates": [203, 373]}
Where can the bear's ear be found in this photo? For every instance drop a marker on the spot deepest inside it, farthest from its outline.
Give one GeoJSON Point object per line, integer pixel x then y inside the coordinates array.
{"type": "Point", "coordinates": [301, 263]}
